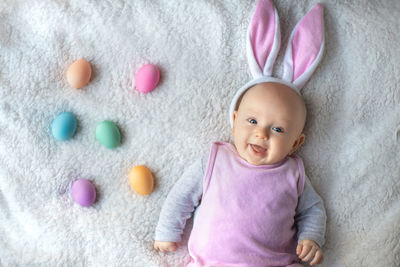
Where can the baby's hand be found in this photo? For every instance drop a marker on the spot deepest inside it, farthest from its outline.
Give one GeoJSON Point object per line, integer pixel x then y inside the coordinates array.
{"type": "Point", "coordinates": [307, 250]}
{"type": "Point", "coordinates": [165, 246]}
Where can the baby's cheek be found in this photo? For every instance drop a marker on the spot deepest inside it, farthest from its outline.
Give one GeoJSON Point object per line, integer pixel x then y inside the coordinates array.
{"type": "Point", "coordinates": [286, 146]}
{"type": "Point", "coordinates": [278, 152]}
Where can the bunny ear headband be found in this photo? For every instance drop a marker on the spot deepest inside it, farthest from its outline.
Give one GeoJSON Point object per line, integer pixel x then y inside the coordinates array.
{"type": "Point", "coordinates": [303, 53]}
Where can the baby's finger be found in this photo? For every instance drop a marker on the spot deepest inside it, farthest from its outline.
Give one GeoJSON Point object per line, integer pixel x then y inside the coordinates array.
{"type": "Point", "coordinates": [172, 248]}
{"type": "Point", "coordinates": [311, 254]}
{"type": "Point", "coordinates": [319, 257]}
{"type": "Point", "coordinates": [305, 250]}
{"type": "Point", "coordinates": [299, 248]}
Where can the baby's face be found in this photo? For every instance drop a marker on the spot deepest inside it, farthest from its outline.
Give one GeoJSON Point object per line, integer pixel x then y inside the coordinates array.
{"type": "Point", "coordinates": [268, 123]}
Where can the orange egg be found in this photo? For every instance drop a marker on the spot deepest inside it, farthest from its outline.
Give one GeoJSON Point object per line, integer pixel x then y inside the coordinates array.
{"type": "Point", "coordinates": [78, 73]}
{"type": "Point", "coordinates": [141, 180]}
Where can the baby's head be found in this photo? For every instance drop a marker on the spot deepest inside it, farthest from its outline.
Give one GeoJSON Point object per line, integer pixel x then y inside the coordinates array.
{"type": "Point", "coordinates": [268, 123]}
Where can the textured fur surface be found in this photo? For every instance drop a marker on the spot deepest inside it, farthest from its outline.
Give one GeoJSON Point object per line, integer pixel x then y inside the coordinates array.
{"type": "Point", "coordinates": [351, 152]}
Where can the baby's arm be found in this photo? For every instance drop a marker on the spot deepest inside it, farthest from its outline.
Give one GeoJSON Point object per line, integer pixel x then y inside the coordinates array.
{"type": "Point", "coordinates": [311, 222]}
{"type": "Point", "coordinates": [178, 207]}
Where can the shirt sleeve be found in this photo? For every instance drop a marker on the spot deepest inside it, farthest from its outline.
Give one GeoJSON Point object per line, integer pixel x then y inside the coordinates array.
{"type": "Point", "coordinates": [311, 216]}
{"type": "Point", "coordinates": [184, 196]}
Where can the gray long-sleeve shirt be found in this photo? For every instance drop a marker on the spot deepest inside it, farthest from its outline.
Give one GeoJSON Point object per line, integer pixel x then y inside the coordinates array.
{"type": "Point", "coordinates": [186, 194]}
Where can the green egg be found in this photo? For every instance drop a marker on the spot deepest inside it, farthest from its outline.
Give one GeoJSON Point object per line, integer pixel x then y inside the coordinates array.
{"type": "Point", "coordinates": [107, 133]}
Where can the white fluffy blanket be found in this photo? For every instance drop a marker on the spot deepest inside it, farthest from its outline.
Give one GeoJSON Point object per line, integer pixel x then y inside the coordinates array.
{"type": "Point", "coordinates": [353, 130]}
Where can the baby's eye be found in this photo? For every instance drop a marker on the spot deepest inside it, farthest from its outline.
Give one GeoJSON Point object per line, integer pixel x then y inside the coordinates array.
{"type": "Point", "coordinates": [252, 121]}
{"type": "Point", "coordinates": [277, 129]}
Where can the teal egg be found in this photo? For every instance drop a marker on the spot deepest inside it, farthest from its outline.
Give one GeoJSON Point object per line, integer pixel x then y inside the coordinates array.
{"type": "Point", "coordinates": [63, 126]}
{"type": "Point", "coordinates": [107, 133]}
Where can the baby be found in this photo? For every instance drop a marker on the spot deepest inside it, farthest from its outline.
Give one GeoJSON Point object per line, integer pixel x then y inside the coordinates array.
{"type": "Point", "coordinates": [252, 194]}
{"type": "Point", "coordinates": [255, 205]}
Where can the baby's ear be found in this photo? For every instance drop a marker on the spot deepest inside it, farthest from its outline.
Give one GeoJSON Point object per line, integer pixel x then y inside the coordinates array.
{"type": "Point", "coordinates": [234, 116]}
{"type": "Point", "coordinates": [297, 144]}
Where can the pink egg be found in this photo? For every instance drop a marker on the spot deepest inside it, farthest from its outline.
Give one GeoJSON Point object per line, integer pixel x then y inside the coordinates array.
{"type": "Point", "coordinates": [147, 78]}
{"type": "Point", "coordinates": [83, 192]}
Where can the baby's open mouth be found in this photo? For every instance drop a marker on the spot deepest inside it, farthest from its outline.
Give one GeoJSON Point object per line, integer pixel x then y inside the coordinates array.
{"type": "Point", "coordinates": [258, 149]}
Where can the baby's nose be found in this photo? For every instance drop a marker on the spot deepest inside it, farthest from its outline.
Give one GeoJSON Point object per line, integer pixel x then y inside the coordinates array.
{"type": "Point", "coordinates": [262, 134]}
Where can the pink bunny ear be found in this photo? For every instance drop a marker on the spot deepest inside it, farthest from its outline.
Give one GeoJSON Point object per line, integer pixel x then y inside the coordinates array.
{"type": "Point", "coordinates": [305, 48]}
{"type": "Point", "coordinates": [263, 39]}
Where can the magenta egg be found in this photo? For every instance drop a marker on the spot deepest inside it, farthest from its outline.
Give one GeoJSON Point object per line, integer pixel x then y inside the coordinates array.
{"type": "Point", "coordinates": [147, 78]}
{"type": "Point", "coordinates": [83, 192]}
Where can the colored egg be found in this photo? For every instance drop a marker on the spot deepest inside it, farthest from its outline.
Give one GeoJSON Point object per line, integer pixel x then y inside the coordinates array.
{"type": "Point", "coordinates": [79, 73]}
{"type": "Point", "coordinates": [141, 180]}
{"type": "Point", "coordinates": [107, 133]}
{"type": "Point", "coordinates": [147, 78]}
{"type": "Point", "coordinates": [83, 192]}
{"type": "Point", "coordinates": [63, 126]}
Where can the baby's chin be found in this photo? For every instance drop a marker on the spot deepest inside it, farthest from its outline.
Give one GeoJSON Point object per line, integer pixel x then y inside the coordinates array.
{"type": "Point", "coordinates": [246, 154]}
{"type": "Point", "coordinates": [255, 162]}
{"type": "Point", "coordinates": [261, 161]}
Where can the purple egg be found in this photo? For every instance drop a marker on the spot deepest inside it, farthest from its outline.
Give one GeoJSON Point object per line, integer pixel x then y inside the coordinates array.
{"type": "Point", "coordinates": [83, 192]}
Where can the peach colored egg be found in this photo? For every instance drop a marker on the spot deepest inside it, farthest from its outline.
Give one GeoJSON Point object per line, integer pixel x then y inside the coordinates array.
{"type": "Point", "coordinates": [147, 78]}
{"type": "Point", "coordinates": [141, 180]}
{"type": "Point", "coordinates": [78, 73]}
